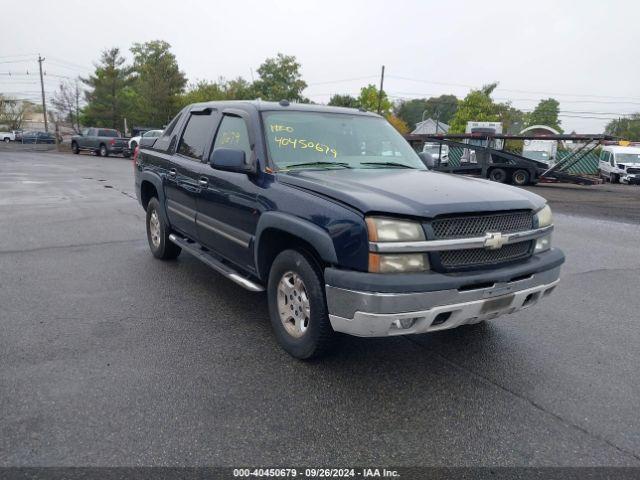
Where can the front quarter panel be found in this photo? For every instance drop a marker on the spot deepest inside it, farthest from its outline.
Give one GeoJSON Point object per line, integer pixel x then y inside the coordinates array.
{"type": "Point", "coordinates": [343, 227]}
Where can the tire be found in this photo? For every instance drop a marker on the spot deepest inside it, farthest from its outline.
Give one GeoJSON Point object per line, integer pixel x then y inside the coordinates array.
{"type": "Point", "coordinates": [74, 148]}
{"type": "Point", "coordinates": [6, 139]}
{"type": "Point", "coordinates": [158, 234]}
{"type": "Point", "coordinates": [498, 175]}
{"type": "Point", "coordinates": [133, 146]}
{"type": "Point", "coordinates": [312, 335]}
{"type": "Point", "coordinates": [103, 151]}
{"type": "Point", "coordinates": [520, 177]}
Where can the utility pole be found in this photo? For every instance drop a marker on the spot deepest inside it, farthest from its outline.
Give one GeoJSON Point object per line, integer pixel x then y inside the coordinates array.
{"type": "Point", "coordinates": [380, 92]}
{"type": "Point", "coordinates": [44, 104]}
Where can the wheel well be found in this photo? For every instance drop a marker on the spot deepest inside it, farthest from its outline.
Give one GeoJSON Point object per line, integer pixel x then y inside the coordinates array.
{"type": "Point", "coordinates": [274, 241]}
{"type": "Point", "coordinates": [147, 192]}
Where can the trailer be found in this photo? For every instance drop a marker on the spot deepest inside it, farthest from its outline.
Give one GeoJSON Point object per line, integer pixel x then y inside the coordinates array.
{"type": "Point", "coordinates": [491, 162]}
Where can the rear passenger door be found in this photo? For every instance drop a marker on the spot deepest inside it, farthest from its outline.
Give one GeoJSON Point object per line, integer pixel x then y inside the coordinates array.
{"type": "Point", "coordinates": [227, 206]}
{"type": "Point", "coordinates": [182, 184]}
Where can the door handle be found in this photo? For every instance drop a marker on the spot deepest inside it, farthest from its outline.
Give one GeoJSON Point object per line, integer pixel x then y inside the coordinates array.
{"type": "Point", "coordinates": [173, 172]}
{"type": "Point", "coordinates": [203, 182]}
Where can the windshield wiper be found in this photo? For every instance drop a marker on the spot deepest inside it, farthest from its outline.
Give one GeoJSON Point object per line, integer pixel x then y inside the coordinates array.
{"type": "Point", "coordinates": [388, 164]}
{"type": "Point", "coordinates": [318, 164]}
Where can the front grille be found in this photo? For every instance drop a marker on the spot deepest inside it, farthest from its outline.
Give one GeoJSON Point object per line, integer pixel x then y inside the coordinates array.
{"type": "Point", "coordinates": [634, 171]}
{"type": "Point", "coordinates": [477, 226]}
{"type": "Point", "coordinates": [476, 257]}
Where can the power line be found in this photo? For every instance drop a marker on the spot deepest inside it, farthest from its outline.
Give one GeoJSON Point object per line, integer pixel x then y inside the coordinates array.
{"type": "Point", "coordinates": [511, 90]}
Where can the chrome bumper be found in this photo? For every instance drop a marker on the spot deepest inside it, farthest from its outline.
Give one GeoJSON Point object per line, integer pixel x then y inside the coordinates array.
{"type": "Point", "coordinates": [370, 314]}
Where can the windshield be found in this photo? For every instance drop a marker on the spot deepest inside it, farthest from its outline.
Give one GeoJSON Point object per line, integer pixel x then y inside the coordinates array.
{"type": "Point", "coordinates": [628, 157]}
{"type": "Point", "coordinates": [328, 140]}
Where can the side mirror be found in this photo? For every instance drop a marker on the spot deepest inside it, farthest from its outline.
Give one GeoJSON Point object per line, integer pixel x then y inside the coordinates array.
{"type": "Point", "coordinates": [427, 159]}
{"type": "Point", "coordinates": [230, 160]}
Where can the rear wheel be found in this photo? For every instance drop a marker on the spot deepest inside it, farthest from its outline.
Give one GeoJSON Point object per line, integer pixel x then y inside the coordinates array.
{"type": "Point", "coordinates": [520, 177]}
{"type": "Point", "coordinates": [103, 151]}
{"type": "Point", "coordinates": [498, 175]}
{"type": "Point", "coordinates": [613, 178]}
{"type": "Point", "coordinates": [158, 233]}
{"type": "Point", "coordinates": [297, 306]}
{"type": "Point", "coordinates": [6, 139]}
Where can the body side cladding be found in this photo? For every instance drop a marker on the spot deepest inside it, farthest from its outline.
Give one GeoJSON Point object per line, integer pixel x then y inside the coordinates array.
{"type": "Point", "coordinates": [156, 181]}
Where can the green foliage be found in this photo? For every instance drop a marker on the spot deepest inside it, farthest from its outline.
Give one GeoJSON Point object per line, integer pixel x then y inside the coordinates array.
{"type": "Point", "coordinates": [368, 100]}
{"type": "Point", "coordinates": [338, 100]}
{"type": "Point", "coordinates": [158, 82]}
{"type": "Point", "coordinates": [625, 128]}
{"type": "Point", "coordinates": [442, 107]}
{"type": "Point", "coordinates": [476, 106]}
{"type": "Point", "coordinates": [108, 93]}
{"type": "Point", "coordinates": [513, 120]}
{"type": "Point", "coordinates": [280, 78]}
{"type": "Point", "coordinates": [206, 91]}
{"type": "Point", "coordinates": [546, 113]}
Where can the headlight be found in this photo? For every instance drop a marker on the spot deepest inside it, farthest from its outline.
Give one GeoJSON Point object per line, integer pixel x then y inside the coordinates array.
{"type": "Point", "coordinates": [544, 217]}
{"type": "Point", "coordinates": [391, 230]}
{"type": "Point", "coordinates": [398, 262]}
{"type": "Point", "coordinates": [381, 229]}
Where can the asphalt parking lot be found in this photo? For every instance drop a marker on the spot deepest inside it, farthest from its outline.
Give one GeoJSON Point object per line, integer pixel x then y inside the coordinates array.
{"type": "Point", "coordinates": [110, 357]}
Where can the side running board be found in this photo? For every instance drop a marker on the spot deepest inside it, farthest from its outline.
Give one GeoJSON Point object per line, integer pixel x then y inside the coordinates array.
{"type": "Point", "coordinates": [196, 250]}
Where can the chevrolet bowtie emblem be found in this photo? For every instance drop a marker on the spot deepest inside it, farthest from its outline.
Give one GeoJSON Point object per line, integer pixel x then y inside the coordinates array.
{"type": "Point", "coordinates": [494, 240]}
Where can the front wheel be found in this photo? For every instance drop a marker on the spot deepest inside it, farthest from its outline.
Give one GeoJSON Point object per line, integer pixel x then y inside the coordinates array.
{"type": "Point", "coordinates": [297, 306]}
{"type": "Point", "coordinates": [158, 234]}
{"type": "Point", "coordinates": [74, 148]}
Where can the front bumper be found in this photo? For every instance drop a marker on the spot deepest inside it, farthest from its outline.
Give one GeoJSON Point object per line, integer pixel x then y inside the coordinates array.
{"type": "Point", "coordinates": [430, 302]}
{"type": "Point", "coordinates": [632, 179]}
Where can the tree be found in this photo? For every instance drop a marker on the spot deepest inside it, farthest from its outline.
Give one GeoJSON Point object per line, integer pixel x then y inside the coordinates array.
{"type": "Point", "coordinates": [66, 101]}
{"type": "Point", "coordinates": [12, 112]}
{"type": "Point", "coordinates": [346, 100]}
{"type": "Point", "coordinates": [158, 82]}
{"type": "Point", "coordinates": [546, 113]}
{"type": "Point", "coordinates": [368, 100]}
{"type": "Point", "coordinates": [106, 98]}
{"type": "Point", "coordinates": [399, 124]}
{"type": "Point", "coordinates": [476, 106]}
{"type": "Point", "coordinates": [280, 79]}
{"type": "Point", "coordinates": [626, 128]}
{"type": "Point", "coordinates": [202, 91]}
{"type": "Point", "coordinates": [442, 108]}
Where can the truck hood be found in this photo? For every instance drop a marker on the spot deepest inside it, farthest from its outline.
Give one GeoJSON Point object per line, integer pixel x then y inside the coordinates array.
{"type": "Point", "coordinates": [417, 193]}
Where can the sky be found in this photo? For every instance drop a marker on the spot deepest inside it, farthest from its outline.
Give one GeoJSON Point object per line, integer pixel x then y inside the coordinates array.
{"type": "Point", "coordinates": [586, 54]}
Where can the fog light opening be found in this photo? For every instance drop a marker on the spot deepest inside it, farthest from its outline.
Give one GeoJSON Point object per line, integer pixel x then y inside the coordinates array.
{"type": "Point", "coordinates": [531, 299]}
{"type": "Point", "coordinates": [441, 318]}
{"type": "Point", "coordinates": [404, 323]}
{"type": "Point", "coordinates": [548, 291]}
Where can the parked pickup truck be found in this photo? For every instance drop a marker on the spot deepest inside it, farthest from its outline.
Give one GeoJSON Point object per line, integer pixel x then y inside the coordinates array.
{"type": "Point", "coordinates": [333, 214]}
{"type": "Point", "coordinates": [7, 137]}
{"type": "Point", "coordinates": [101, 141]}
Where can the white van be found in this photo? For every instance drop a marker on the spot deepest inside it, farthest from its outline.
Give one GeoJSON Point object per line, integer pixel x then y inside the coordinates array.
{"type": "Point", "coordinates": [620, 164]}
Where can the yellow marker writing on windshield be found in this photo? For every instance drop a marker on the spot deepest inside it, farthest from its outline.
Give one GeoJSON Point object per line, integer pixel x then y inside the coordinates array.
{"type": "Point", "coordinates": [302, 144]}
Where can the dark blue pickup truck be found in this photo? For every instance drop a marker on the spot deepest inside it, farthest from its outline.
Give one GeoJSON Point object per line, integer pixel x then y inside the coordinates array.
{"type": "Point", "coordinates": [333, 214]}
